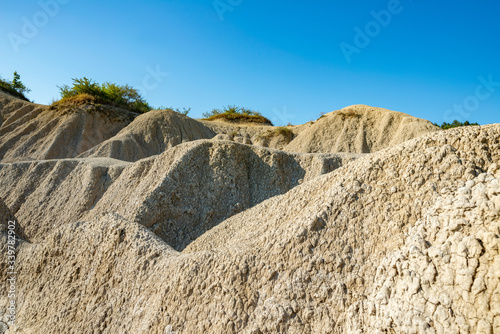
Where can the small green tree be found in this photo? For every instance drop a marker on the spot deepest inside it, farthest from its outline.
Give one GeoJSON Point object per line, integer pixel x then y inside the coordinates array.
{"type": "Point", "coordinates": [17, 85]}
{"type": "Point", "coordinates": [14, 87]}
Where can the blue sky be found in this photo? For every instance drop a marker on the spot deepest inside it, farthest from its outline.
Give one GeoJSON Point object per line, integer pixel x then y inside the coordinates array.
{"type": "Point", "coordinates": [437, 60]}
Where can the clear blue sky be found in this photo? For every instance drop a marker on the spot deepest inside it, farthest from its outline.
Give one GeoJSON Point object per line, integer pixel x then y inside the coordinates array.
{"type": "Point", "coordinates": [282, 58]}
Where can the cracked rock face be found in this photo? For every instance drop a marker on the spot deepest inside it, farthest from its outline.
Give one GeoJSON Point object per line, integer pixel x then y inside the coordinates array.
{"type": "Point", "coordinates": [445, 279]}
{"type": "Point", "coordinates": [404, 240]}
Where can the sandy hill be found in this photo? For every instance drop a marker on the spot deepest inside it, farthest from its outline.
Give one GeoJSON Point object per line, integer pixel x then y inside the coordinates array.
{"type": "Point", "coordinates": [160, 223]}
{"type": "Point", "coordinates": [150, 134]}
{"type": "Point", "coordinates": [31, 131]}
{"type": "Point", "coordinates": [358, 129]}
{"type": "Point", "coordinates": [397, 241]}
{"type": "Point", "coordinates": [179, 194]}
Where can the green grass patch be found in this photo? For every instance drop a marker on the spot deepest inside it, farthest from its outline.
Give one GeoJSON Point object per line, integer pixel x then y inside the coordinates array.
{"type": "Point", "coordinates": [73, 101]}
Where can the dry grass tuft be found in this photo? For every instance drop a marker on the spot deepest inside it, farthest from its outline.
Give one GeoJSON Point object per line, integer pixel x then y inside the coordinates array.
{"type": "Point", "coordinates": [279, 131]}
{"type": "Point", "coordinates": [349, 113]}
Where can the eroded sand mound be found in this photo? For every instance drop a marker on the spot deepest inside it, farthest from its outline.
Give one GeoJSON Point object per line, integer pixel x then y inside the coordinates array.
{"type": "Point", "coordinates": [31, 131]}
{"type": "Point", "coordinates": [150, 134]}
{"type": "Point", "coordinates": [50, 193]}
{"type": "Point", "coordinates": [358, 129]}
{"type": "Point", "coordinates": [403, 240]}
{"type": "Point", "coordinates": [178, 194]}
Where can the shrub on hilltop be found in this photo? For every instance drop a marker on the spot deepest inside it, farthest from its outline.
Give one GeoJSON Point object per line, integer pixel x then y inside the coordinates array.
{"type": "Point", "coordinates": [15, 87]}
{"type": "Point", "coordinates": [454, 124]}
{"type": "Point", "coordinates": [184, 111]}
{"type": "Point", "coordinates": [236, 114]}
{"type": "Point", "coordinates": [86, 90]}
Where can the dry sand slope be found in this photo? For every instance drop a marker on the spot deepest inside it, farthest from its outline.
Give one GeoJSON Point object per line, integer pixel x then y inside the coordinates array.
{"type": "Point", "coordinates": [402, 240]}
{"type": "Point", "coordinates": [31, 131]}
{"type": "Point", "coordinates": [150, 134]}
{"type": "Point", "coordinates": [358, 129]}
{"type": "Point", "coordinates": [179, 194]}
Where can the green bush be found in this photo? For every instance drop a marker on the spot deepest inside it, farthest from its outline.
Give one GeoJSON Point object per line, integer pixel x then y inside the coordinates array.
{"type": "Point", "coordinates": [15, 87]}
{"type": "Point", "coordinates": [237, 115]}
{"type": "Point", "coordinates": [108, 93]}
{"type": "Point", "coordinates": [454, 124]}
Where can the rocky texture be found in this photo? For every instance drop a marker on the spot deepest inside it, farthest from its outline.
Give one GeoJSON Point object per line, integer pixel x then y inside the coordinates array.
{"type": "Point", "coordinates": [358, 129]}
{"type": "Point", "coordinates": [31, 131]}
{"type": "Point", "coordinates": [402, 240]}
{"type": "Point", "coordinates": [250, 134]}
{"type": "Point", "coordinates": [150, 134]}
{"type": "Point", "coordinates": [446, 277]}
{"type": "Point", "coordinates": [178, 194]}
{"type": "Point", "coordinates": [191, 188]}
{"type": "Point", "coordinates": [45, 194]}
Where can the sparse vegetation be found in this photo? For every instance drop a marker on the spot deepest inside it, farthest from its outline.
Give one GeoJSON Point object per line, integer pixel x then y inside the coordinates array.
{"type": "Point", "coordinates": [15, 87]}
{"type": "Point", "coordinates": [184, 111]}
{"type": "Point", "coordinates": [279, 131]}
{"type": "Point", "coordinates": [283, 131]}
{"type": "Point", "coordinates": [85, 89]}
{"type": "Point", "coordinates": [237, 115]}
{"type": "Point", "coordinates": [454, 124]}
{"type": "Point", "coordinates": [348, 113]}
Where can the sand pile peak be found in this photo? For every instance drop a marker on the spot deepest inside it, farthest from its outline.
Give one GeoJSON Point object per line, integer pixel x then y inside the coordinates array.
{"type": "Point", "coordinates": [150, 134]}
{"type": "Point", "coordinates": [358, 129]}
